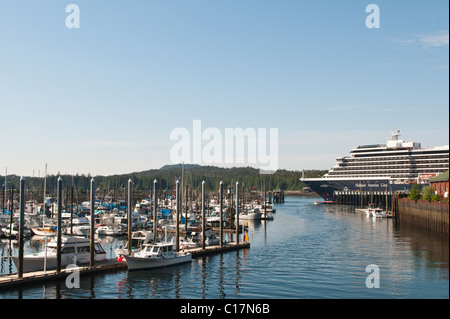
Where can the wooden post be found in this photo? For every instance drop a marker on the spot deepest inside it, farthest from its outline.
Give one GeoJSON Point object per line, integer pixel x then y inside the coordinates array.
{"type": "Point", "coordinates": [59, 225]}
{"type": "Point", "coordinates": [178, 203]}
{"type": "Point", "coordinates": [221, 212]}
{"type": "Point", "coordinates": [203, 216]}
{"type": "Point", "coordinates": [185, 207]}
{"type": "Point", "coordinates": [21, 225]}
{"type": "Point", "coordinates": [130, 218]}
{"type": "Point", "coordinates": [237, 213]}
{"type": "Point", "coordinates": [92, 223]}
{"type": "Point", "coordinates": [155, 208]}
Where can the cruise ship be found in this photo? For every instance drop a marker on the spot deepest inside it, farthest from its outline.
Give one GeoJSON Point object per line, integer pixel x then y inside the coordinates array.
{"type": "Point", "coordinates": [390, 167]}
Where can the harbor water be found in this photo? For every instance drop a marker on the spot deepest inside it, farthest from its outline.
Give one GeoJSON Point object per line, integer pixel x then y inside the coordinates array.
{"type": "Point", "coordinates": [307, 252]}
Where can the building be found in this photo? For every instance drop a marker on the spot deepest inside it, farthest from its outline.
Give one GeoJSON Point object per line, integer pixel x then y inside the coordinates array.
{"type": "Point", "coordinates": [440, 184]}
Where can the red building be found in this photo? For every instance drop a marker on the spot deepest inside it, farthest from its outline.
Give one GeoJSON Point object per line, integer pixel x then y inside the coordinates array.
{"type": "Point", "coordinates": [440, 184]}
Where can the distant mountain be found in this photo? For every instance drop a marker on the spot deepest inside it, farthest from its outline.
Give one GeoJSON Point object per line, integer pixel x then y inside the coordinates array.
{"type": "Point", "coordinates": [178, 166]}
{"type": "Point", "coordinates": [167, 175]}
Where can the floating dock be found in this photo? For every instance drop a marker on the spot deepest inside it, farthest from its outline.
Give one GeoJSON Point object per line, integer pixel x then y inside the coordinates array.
{"type": "Point", "coordinates": [111, 265]}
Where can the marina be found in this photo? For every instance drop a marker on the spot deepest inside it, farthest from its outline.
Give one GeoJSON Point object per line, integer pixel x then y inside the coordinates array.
{"type": "Point", "coordinates": [307, 251]}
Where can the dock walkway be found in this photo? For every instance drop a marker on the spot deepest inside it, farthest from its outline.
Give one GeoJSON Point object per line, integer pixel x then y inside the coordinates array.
{"type": "Point", "coordinates": [13, 280]}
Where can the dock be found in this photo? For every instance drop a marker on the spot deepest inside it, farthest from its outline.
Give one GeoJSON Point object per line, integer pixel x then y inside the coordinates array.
{"type": "Point", "coordinates": [110, 265]}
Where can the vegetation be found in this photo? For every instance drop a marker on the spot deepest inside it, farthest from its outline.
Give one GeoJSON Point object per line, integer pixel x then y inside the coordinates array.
{"type": "Point", "coordinates": [249, 178]}
{"type": "Point", "coordinates": [436, 198]}
{"type": "Point", "coordinates": [414, 193]}
{"type": "Point", "coordinates": [427, 193]}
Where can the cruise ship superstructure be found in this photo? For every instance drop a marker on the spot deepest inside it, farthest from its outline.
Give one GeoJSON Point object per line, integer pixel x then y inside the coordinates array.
{"type": "Point", "coordinates": [390, 167]}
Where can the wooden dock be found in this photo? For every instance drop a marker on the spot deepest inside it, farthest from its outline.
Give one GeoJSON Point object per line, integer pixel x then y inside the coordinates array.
{"type": "Point", "coordinates": [111, 265]}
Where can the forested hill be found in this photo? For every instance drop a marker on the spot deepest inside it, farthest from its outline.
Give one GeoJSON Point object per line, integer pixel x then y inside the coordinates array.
{"type": "Point", "coordinates": [166, 176]}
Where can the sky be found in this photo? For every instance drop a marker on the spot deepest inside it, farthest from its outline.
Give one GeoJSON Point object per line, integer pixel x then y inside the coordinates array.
{"type": "Point", "coordinates": [104, 98]}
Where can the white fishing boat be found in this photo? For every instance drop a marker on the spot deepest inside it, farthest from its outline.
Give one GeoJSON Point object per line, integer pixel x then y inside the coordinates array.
{"type": "Point", "coordinates": [109, 230]}
{"type": "Point", "coordinates": [252, 214]}
{"type": "Point", "coordinates": [74, 250]}
{"type": "Point", "coordinates": [138, 239]}
{"type": "Point", "coordinates": [156, 256]}
{"type": "Point", "coordinates": [377, 212]}
{"type": "Point", "coordinates": [80, 227]}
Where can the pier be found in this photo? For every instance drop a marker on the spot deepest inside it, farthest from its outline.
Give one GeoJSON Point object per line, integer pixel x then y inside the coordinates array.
{"type": "Point", "coordinates": [232, 226]}
{"type": "Point", "coordinates": [388, 201]}
{"type": "Point", "coordinates": [110, 265]}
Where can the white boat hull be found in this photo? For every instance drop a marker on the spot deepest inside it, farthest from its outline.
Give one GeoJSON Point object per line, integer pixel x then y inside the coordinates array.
{"type": "Point", "coordinates": [136, 263]}
{"type": "Point", "coordinates": [37, 263]}
{"type": "Point", "coordinates": [251, 216]}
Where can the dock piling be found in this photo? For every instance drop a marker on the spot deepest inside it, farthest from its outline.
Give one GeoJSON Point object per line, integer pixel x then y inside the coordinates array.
{"type": "Point", "coordinates": [203, 216]}
{"type": "Point", "coordinates": [221, 212]}
{"type": "Point", "coordinates": [21, 225]}
{"type": "Point", "coordinates": [59, 225]}
{"type": "Point", "coordinates": [130, 219]}
{"type": "Point", "coordinates": [92, 222]}
{"type": "Point", "coordinates": [237, 213]}
{"type": "Point", "coordinates": [155, 208]}
{"type": "Point", "coordinates": [177, 242]}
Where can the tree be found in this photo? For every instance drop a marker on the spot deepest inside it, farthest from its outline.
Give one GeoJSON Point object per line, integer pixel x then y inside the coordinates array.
{"type": "Point", "coordinates": [427, 192]}
{"type": "Point", "coordinates": [436, 198]}
{"type": "Point", "coordinates": [414, 193]}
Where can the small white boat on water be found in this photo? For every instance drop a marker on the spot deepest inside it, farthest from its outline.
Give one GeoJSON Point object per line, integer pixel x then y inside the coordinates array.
{"type": "Point", "coordinates": [44, 231]}
{"type": "Point", "coordinates": [74, 250]}
{"type": "Point", "coordinates": [108, 230]}
{"type": "Point", "coordinates": [252, 214]}
{"type": "Point", "coordinates": [156, 256]}
{"type": "Point", "coordinates": [373, 211]}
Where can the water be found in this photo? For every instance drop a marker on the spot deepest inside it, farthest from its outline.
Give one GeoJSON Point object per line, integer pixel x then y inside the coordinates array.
{"type": "Point", "coordinates": [307, 251]}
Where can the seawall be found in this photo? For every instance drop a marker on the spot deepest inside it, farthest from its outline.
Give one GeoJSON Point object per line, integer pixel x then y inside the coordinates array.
{"type": "Point", "coordinates": [428, 215]}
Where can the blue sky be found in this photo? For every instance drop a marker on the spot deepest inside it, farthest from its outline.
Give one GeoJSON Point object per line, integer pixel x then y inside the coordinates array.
{"type": "Point", "coordinates": [104, 98]}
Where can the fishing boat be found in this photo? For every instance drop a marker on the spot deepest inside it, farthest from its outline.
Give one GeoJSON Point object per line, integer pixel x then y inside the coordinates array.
{"type": "Point", "coordinates": [80, 227]}
{"type": "Point", "coordinates": [138, 239]}
{"type": "Point", "coordinates": [74, 250]}
{"type": "Point", "coordinates": [251, 214]}
{"type": "Point", "coordinates": [109, 230]}
{"type": "Point", "coordinates": [156, 256]}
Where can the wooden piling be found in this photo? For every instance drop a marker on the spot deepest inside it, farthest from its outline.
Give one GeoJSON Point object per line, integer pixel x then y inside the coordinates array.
{"type": "Point", "coordinates": [21, 225]}
{"type": "Point", "coordinates": [59, 225]}
{"type": "Point", "coordinates": [203, 216]}
{"type": "Point", "coordinates": [155, 209]}
{"type": "Point", "coordinates": [92, 223]}
{"type": "Point", "coordinates": [237, 213]}
{"type": "Point", "coordinates": [178, 202]}
{"type": "Point", "coordinates": [130, 218]}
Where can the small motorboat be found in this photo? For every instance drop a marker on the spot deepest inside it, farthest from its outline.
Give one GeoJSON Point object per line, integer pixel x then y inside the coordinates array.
{"type": "Point", "coordinates": [108, 230]}
{"type": "Point", "coordinates": [251, 214]}
{"type": "Point", "coordinates": [156, 256]}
